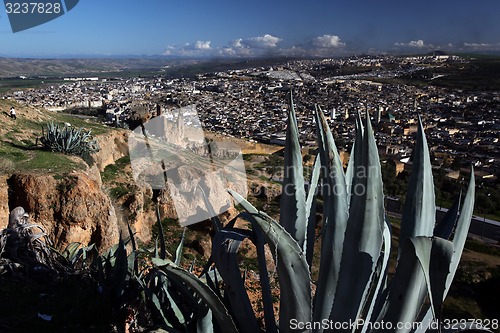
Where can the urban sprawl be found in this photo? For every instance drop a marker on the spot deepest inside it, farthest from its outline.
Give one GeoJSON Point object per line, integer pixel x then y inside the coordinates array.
{"type": "Point", "coordinates": [251, 103]}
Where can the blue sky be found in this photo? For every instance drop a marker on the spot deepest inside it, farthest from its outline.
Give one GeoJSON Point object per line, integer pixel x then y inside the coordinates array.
{"type": "Point", "coordinates": [217, 28]}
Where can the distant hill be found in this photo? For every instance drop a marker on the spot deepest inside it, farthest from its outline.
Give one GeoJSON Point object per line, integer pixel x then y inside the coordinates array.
{"type": "Point", "coordinates": [437, 53]}
{"type": "Point", "coordinates": [174, 67]}
{"type": "Point", "coordinates": [10, 67]}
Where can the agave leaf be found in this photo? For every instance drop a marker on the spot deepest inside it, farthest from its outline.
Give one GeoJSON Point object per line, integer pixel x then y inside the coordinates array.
{"type": "Point", "coordinates": [364, 233]}
{"type": "Point", "coordinates": [163, 247]}
{"type": "Point", "coordinates": [311, 211]}
{"type": "Point", "coordinates": [267, 299]}
{"type": "Point", "coordinates": [183, 293]}
{"type": "Point", "coordinates": [335, 220]}
{"type": "Point", "coordinates": [132, 238]}
{"type": "Point", "coordinates": [444, 227]}
{"type": "Point", "coordinates": [293, 196]}
{"type": "Point", "coordinates": [405, 292]}
{"type": "Point", "coordinates": [224, 252]}
{"type": "Point", "coordinates": [204, 323]}
{"type": "Point", "coordinates": [120, 268]}
{"type": "Point", "coordinates": [219, 311]}
{"type": "Point", "coordinates": [355, 150]}
{"type": "Point", "coordinates": [173, 305]}
{"type": "Point", "coordinates": [379, 294]}
{"type": "Point", "coordinates": [462, 229]}
{"type": "Point", "coordinates": [419, 213]}
{"type": "Point", "coordinates": [133, 264]}
{"type": "Point", "coordinates": [435, 260]}
{"type": "Point", "coordinates": [216, 222]}
{"type": "Point", "coordinates": [178, 252]}
{"type": "Point", "coordinates": [156, 253]}
{"type": "Point", "coordinates": [71, 251]}
{"type": "Point", "coordinates": [293, 271]}
{"type": "Point", "coordinates": [211, 279]}
{"type": "Point", "coordinates": [422, 269]}
{"type": "Point", "coordinates": [459, 239]}
{"type": "Point", "coordinates": [84, 251]}
{"type": "Point", "coordinates": [155, 301]}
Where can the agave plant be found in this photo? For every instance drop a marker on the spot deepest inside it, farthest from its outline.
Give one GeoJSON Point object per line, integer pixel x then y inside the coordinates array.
{"type": "Point", "coordinates": [353, 292]}
{"type": "Point", "coordinates": [68, 140]}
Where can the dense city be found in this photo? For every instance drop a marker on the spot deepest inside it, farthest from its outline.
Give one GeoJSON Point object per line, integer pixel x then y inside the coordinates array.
{"type": "Point", "coordinates": [251, 103]}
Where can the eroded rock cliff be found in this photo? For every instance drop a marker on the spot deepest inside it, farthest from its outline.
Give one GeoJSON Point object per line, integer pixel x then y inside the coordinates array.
{"type": "Point", "coordinates": [71, 208]}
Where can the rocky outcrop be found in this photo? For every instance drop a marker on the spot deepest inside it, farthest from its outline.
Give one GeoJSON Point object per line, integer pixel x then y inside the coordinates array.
{"type": "Point", "coordinates": [71, 208]}
{"type": "Point", "coordinates": [4, 202]}
{"type": "Point", "coordinates": [113, 145]}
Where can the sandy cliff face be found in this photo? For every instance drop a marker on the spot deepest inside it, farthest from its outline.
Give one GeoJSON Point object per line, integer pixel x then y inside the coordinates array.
{"type": "Point", "coordinates": [112, 147]}
{"type": "Point", "coordinates": [4, 201]}
{"type": "Point", "coordinates": [83, 212]}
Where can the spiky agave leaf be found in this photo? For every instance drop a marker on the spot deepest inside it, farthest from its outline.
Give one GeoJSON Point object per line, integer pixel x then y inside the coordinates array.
{"type": "Point", "coordinates": [355, 150]}
{"type": "Point", "coordinates": [380, 291]}
{"type": "Point", "coordinates": [224, 252]}
{"type": "Point", "coordinates": [293, 196]}
{"type": "Point", "coordinates": [178, 251]}
{"type": "Point", "coordinates": [423, 268]}
{"type": "Point", "coordinates": [163, 246]}
{"type": "Point", "coordinates": [459, 238]}
{"type": "Point", "coordinates": [462, 228]}
{"type": "Point", "coordinates": [267, 300]}
{"type": "Point", "coordinates": [364, 232]}
{"type": "Point", "coordinates": [204, 324]}
{"type": "Point", "coordinates": [445, 227]}
{"type": "Point", "coordinates": [293, 271]}
{"type": "Point", "coordinates": [311, 211]}
{"type": "Point", "coordinates": [219, 311]}
{"type": "Point", "coordinates": [419, 212]}
{"type": "Point", "coordinates": [335, 219]}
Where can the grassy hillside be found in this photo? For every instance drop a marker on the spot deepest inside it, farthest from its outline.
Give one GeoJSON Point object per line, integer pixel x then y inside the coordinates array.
{"type": "Point", "coordinates": [19, 150]}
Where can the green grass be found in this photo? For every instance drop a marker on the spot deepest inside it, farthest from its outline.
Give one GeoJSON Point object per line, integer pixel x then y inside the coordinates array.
{"type": "Point", "coordinates": [13, 154]}
{"type": "Point", "coordinates": [113, 170]}
{"type": "Point", "coordinates": [118, 192]}
{"type": "Point", "coordinates": [17, 158]}
{"type": "Point", "coordinates": [54, 162]}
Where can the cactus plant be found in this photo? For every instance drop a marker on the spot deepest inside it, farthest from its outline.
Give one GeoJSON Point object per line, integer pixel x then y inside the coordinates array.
{"type": "Point", "coordinates": [68, 140]}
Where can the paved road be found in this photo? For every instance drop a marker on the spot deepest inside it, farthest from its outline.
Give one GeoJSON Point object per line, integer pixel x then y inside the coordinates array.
{"type": "Point", "coordinates": [489, 230]}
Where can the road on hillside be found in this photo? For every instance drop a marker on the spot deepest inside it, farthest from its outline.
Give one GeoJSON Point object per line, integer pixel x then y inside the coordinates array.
{"type": "Point", "coordinates": [486, 229]}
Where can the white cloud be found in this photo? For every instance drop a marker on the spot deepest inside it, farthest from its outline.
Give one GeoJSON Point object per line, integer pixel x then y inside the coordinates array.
{"type": "Point", "coordinates": [251, 46]}
{"type": "Point", "coordinates": [327, 41]}
{"type": "Point", "coordinates": [236, 43]}
{"type": "Point", "coordinates": [200, 45]}
{"type": "Point", "coordinates": [479, 46]}
{"type": "Point", "coordinates": [261, 42]}
{"type": "Point", "coordinates": [419, 43]}
{"type": "Point", "coordinates": [414, 43]}
{"type": "Point", "coordinates": [266, 44]}
{"type": "Point", "coordinates": [199, 48]}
